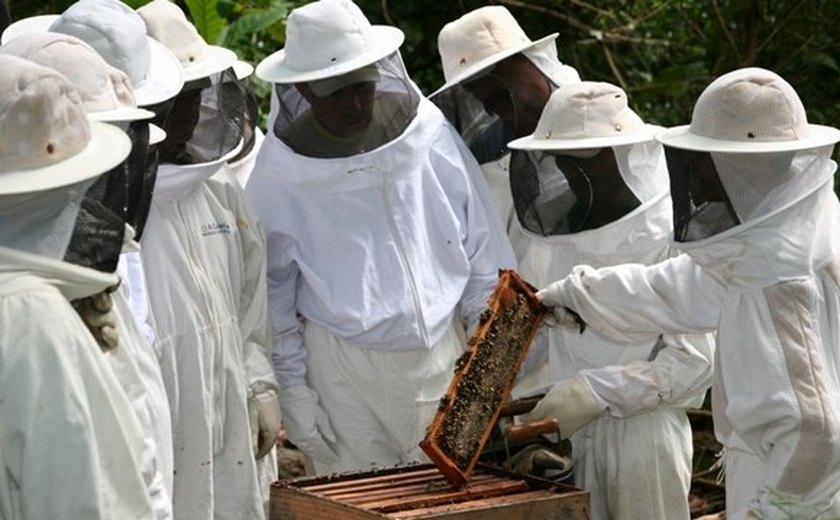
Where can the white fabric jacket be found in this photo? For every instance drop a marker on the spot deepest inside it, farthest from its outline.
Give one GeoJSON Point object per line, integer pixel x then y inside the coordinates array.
{"type": "Point", "coordinates": [621, 374]}
{"type": "Point", "coordinates": [381, 248]}
{"type": "Point", "coordinates": [136, 366]}
{"type": "Point", "coordinates": [204, 259]}
{"type": "Point", "coordinates": [772, 289]}
{"type": "Point", "coordinates": [643, 442]}
{"type": "Point", "coordinates": [70, 445]}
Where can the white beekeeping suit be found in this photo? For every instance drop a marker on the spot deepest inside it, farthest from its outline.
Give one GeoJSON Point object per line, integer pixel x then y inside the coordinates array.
{"type": "Point", "coordinates": [471, 48]}
{"type": "Point", "coordinates": [380, 254]}
{"type": "Point", "coordinates": [204, 258]}
{"type": "Point", "coordinates": [70, 444]}
{"type": "Point", "coordinates": [755, 212]}
{"type": "Point", "coordinates": [594, 190]}
{"type": "Point", "coordinates": [108, 96]}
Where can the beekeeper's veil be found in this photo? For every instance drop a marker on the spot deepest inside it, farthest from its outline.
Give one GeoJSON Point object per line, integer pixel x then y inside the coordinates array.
{"type": "Point", "coordinates": [340, 86]}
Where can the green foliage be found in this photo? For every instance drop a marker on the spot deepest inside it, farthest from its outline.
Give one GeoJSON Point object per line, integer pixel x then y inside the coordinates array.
{"type": "Point", "coordinates": [206, 18]}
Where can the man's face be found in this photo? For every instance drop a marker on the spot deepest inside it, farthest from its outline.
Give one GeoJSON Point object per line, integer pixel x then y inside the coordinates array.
{"type": "Point", "coordinates": [347, 111]}
{"type": "Point", "coordinates": [516, 91]}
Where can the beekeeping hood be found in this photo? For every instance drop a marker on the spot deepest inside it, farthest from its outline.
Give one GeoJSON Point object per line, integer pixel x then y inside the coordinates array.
{"type": "Point", "coordinates": [333, 51]}
{"type": "Point", "coordinates": [49, 156]}
{"type": "Point", "coordinates": [590, 161]}
{"type": "Point", "coordinates": [470, 47]}
{"type": "Point", "coordinates": [748, 152]}
{"type": "Point", "coordinates": [204, 121]}
{"type": "Point", "coordinates": [122, 195]}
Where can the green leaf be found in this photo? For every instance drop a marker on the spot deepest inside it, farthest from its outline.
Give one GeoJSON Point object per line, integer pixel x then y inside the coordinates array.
{"type": "Point", "coordinates": [206, 18]}
{"type": "Point", "coordinates": [135, 4]}
{"type": "Point", "coordinates": [252, 22]}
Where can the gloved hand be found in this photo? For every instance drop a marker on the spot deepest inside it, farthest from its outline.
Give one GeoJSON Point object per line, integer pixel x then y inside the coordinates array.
{"type": "Point", "coordinates": [97, 313]}
{"type": "Point", "coordinates": [572, 403]}
{"type": "Point", "coordinates": [307, 425]}
{"type": "Point", "coordinates": [264, 417]}
{"type": "Point", "coordinates": [554, 296]}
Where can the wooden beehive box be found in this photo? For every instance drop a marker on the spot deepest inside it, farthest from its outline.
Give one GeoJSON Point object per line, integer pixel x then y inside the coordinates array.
{"type": "Point", "coordinates": [420, 491]}
{"type": "Point", "coordinates": [483, 378]}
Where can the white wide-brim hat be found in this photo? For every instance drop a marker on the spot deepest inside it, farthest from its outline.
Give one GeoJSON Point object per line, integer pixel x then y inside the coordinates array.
{"type": "Point", "coordinates": [46, 140]}
{"type": "Point", "coordinates": [328, 38]}
{"type": "Point", "coordinates": [750, 110]}
{"type": "Point", "coordinates": [166, 22]}
{"type": "Point", "coordinates": [163, 80]}
{"type": "Point", "coordinates": [106, 91]}
{"type": "Point", "coordinates": [108, 147]}
{"type": "Point", "coordinates": [586, 115]}
{"type": "Point", "coordinates": [479, 40]}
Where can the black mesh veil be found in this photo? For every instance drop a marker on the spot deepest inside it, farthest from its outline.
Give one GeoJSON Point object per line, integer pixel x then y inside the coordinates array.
{"type": "Point", "coordinates": [374, 112]}
{"type": "Point", "coordinates": [485, 133]}
{"type": "Point", "coordinates": [205, 121]}
{"type": "Point", "coordinates": [250, 120]}
{"type": "Point", "coordinates": [701, 206]}
{"type": "Point", "coordinates": [142, 165]}
{"type": "Point", "coordinates": [97, 236]}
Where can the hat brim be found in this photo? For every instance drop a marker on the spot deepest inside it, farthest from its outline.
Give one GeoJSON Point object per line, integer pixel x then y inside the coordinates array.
{"type": "Point", "coordinates": [107, 148]}
{"type": "Point", "coordinates": [33, 24]}
{"type": "Point", "coordinates": [584, 143]}
{"type": "Point", "coordinates": [243, 69]}
{"type": "Point", "coordinates": [164, 80]}
{"type": "Point", "coordinates": [156, 134]}
{"type": "Point", "coordinates": [491, 60]}
{"type": "Point", "coordinates": [681, 137]}
{"type": "Point", "coordinates": [275, 70]}
{"type": "Point", "coordinates": [120, 114]}
{"type": "Point", "coordinates": [214, 60]}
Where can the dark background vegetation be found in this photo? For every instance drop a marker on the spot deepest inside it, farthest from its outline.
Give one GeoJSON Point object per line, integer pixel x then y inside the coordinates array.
{"type": "Point", "coordinates": [662, 52]}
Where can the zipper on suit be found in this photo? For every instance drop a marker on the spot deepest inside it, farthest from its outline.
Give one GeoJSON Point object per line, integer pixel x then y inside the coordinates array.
{"type": "Point", "coordinates": [421, 324]}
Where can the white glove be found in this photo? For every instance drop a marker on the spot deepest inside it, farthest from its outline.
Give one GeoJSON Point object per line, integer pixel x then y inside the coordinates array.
{"type": "Point", "coordinates": [307, 425]}
{"type": "Point", "coordinates": [97, 313]}
{"type": "Point", "coordinates": [554, 296]}
{"type": "Point", "coordinates": [572, 403]}
{"type": "Point", "coordinates": [264, 417]}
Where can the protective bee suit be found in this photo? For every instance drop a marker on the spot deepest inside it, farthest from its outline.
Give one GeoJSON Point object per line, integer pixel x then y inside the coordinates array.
{"type": "Point", "coordinates": [380, 252]}
{"type": "Point", "coordinates": [470, 48]}
{"type": "Point", "coordinates": [755, 212]}
{"type": "Point", "coordinates": [633, 448]}
{"type": "Point", "coordinates": [70, 444]}
{"type": "Point", "coordinates": [204, 258]}
{"type": "Point", "coordinates": [99, 235]}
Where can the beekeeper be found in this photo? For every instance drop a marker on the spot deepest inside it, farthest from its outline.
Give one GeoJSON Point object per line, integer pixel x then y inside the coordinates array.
{"type": "Point", "coordinates": [114, 200]}
{"type": "Point", "coordinates": [70, 445]}
{"type": "Point", "coordinates": [593, 189]}
{"type": "Point", "coordinates": [380, 254]}
{"type": "Point", "coordinates": [497, 81]}
{"type": "Point", "coordinates": [204, 258]}
{"type": "Point", "coordinates": [755, 211]}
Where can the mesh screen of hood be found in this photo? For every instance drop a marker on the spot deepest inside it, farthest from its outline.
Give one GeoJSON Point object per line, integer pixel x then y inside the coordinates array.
{"type": "Point", "coordinates": [392, 108]}
{"type": "Point", "coordinates": [205, 121]}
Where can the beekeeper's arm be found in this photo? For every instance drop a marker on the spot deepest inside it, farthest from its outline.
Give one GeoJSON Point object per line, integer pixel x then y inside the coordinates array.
{"type": "Point", "coordinates": [635, 303]}
{"type": "Point", "coordinates": [306, 422]}
{"type": "Point", "coordinates": [483, 238]}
